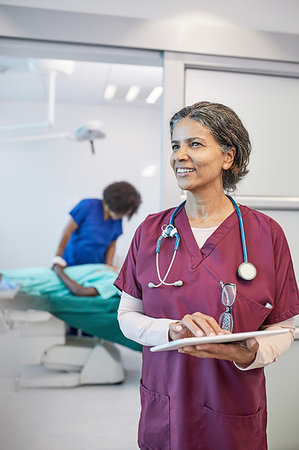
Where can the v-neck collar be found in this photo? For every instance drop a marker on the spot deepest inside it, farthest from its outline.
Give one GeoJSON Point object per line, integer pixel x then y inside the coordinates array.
{"type": "Point", "coordinates": [198, 254]}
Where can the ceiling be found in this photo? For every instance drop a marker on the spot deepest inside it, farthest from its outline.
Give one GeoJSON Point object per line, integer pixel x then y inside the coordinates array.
{"type": "Point", "coordinates": [88, 80]}
{"type": "Point", "coordinates": [268, 15]}
{"type": "Point", "coordinates": [85, 85]}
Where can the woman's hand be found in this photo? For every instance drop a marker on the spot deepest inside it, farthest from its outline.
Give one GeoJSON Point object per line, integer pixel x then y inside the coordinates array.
{"type": "Point", "coordinates": [242, 353]}
{"type": "Point", "coordinates": [194, 325]}
{"type": "Point", "coordinates": [197, 325]}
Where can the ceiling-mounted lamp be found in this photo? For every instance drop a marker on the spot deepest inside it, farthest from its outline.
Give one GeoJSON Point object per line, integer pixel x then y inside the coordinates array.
{"type": "Point", "coordinates": [154, 95]}
{"type": "Point", "coordinates": [44, 66]}
{"type": "Point", "coordinates": [132, 93]}
{"type": "Point", "coordinates": [92, 130]}
{"type": "Point", "coordinates": [49, 68]}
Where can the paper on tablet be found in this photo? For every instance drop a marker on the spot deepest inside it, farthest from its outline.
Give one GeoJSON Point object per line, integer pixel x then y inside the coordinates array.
{"type": "Point", "coordinates": [218, 339]}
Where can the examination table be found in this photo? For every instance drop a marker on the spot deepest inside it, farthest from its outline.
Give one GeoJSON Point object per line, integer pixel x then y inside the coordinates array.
{"type": "Point", "coordinates": [51, 358]}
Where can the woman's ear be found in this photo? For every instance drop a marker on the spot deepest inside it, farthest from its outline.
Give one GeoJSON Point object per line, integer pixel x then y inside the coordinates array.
{"type": "Point", "coordinates": [229, 158]}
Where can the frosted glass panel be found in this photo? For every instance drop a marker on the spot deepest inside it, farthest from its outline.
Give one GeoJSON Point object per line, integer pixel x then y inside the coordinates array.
{"type": "Point", "coordinates": [268, 107]}
{"type": "Point", "coordinates": [43, 174]}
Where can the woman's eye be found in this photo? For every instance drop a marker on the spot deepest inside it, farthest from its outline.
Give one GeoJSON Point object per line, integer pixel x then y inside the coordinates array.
{"type": "Point", "coordinates": [175, 147]}
{"type": "Point", "coordinates": [195, 144]}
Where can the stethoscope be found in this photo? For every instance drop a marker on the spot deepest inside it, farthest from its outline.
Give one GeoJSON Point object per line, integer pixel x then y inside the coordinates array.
{"type": "Point", "coordinates": [246, 270]}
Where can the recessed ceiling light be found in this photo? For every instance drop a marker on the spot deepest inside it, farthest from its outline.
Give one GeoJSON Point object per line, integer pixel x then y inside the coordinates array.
{"type": "Point", "coordinates": [132, 93]}
{"type": "Point", "coordinates": [110, 91]}
{"type": "Point", "coordinates": [154, 95]}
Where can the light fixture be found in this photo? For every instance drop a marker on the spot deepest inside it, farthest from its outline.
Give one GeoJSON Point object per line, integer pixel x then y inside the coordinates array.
{"type": "Point", "coordinates": [132, 93]}
{"type": "Point", "coordinates": [50, 68]}
{"type": "Point", "coordinates": [110, 91]}
{"type": "Point", "coordinates": [149, 171]}
{"type": "Point", "coordinates": [90, 131]}
{"type": "Point", "coordinates": [94, 129]}
{"type": "Point", "coordinates": [154, 95]}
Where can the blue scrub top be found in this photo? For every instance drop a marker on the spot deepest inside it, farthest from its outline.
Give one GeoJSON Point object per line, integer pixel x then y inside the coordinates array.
{"type": "Point", "coordinates": [88, 244]}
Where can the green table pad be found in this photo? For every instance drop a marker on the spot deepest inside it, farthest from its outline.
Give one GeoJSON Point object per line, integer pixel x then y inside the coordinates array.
{"type": "Point", "coordinates": [92, 315]}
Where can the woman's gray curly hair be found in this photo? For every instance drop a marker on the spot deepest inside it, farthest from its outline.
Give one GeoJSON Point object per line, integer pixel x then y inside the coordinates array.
{"type": "Point", "coordinates": [227, 129]}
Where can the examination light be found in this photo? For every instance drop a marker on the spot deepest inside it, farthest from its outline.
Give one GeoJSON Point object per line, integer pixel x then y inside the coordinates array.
{"type": "Point", "coordinates": [92, 130]}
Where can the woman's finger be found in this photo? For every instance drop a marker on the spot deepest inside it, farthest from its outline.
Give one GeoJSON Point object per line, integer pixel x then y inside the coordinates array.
{"type": "Point", "coordinates": [200, 324]}
{"type": "Point", "coordinates": [177, 331]}
{"type": "Point", "coordinates": [188, 322]}
{"type": "Point", "coordinates": [175, 326]}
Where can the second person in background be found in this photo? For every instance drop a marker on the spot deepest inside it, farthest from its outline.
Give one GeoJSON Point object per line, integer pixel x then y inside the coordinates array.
{"type": "Point", "coordinates": [94, 226]}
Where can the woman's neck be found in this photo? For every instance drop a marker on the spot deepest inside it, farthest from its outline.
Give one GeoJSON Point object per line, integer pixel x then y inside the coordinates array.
{"type": "Point", "coordinates": [205, 211]}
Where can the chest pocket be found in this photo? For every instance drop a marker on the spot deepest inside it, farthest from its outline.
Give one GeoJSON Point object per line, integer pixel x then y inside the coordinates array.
{"type": "Point", "coordinates": [248, 314]}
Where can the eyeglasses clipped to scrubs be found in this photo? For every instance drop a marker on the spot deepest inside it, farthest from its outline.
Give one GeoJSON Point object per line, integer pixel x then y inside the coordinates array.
{"type": "Point", "coordinates": [228, 297]}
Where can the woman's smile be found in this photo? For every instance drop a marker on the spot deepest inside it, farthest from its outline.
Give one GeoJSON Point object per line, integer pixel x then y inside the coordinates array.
{"type": "Point", "coordinates": [184, 171]}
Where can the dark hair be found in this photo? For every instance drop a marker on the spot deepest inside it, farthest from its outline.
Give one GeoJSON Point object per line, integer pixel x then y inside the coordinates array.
{"type": "Point", "coordinates": [122, 198]}
{"type": "Point", "coordinates": [227, 129]}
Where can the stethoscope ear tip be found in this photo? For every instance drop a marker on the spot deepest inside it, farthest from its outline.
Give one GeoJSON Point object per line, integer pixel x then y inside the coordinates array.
{"type": "Point", "coordinates": [247, 271]}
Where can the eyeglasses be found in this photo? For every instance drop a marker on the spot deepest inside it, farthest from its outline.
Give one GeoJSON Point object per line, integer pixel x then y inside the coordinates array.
{"type": "Point", "coordinates": [228, 297]}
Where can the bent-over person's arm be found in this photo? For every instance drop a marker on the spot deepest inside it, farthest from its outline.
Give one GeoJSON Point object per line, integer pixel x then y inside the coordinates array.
{"type": "Point", "coordinates": [74, 287]}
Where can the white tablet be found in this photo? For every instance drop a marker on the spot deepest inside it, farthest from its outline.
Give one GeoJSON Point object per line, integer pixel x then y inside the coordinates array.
{"type": "Point", "coordinates": [218, 339]}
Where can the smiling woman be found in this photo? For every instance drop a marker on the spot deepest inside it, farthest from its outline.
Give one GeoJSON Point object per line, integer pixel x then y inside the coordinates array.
{"type": "Point", "coordinates": [195, 392]}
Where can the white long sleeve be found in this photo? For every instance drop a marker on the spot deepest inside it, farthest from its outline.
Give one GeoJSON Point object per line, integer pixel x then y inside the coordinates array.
{"type": "Point", "coordinates": [148, 331]}
{"type": "Point", "coordinates": [272, 347]}
{"type": "Point", "coordinates": [137, 326]}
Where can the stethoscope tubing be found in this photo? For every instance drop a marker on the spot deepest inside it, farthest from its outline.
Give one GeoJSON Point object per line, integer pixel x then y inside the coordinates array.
{"type": "Point", "coordinates": [241, 223]}
{"type": "Point", "coordinates": [246, 270]}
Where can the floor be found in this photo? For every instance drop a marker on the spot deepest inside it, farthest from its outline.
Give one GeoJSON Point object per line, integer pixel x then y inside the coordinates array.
{"type": "Point", "coordinates": [106, 417]}
{"type": "Point", "coordinates": [81, 418]}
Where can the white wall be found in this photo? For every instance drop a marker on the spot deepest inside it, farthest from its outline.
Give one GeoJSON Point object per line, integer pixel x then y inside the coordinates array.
{"type": "Point", "coordinates": [283, 398]}
{"type": "Point", "coordinates": [40, 181]}
{"type": "Point", "coordinates": [267, 105]}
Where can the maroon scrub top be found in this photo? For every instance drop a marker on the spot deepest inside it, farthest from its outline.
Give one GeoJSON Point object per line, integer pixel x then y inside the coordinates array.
{"type": "Point", "coordinates": [190, 403]}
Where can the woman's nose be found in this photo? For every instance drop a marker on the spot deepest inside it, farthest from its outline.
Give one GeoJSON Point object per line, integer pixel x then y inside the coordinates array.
{"type": "Point", "coordinates": [181, 154]}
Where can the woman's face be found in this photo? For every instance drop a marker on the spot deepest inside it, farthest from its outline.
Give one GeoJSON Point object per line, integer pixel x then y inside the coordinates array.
{"type": "Point", "coordinates": [197, 159]}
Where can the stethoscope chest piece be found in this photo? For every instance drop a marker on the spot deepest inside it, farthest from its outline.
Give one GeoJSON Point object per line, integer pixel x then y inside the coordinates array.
{"type": "Point", "coordinates": [247, 271]}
